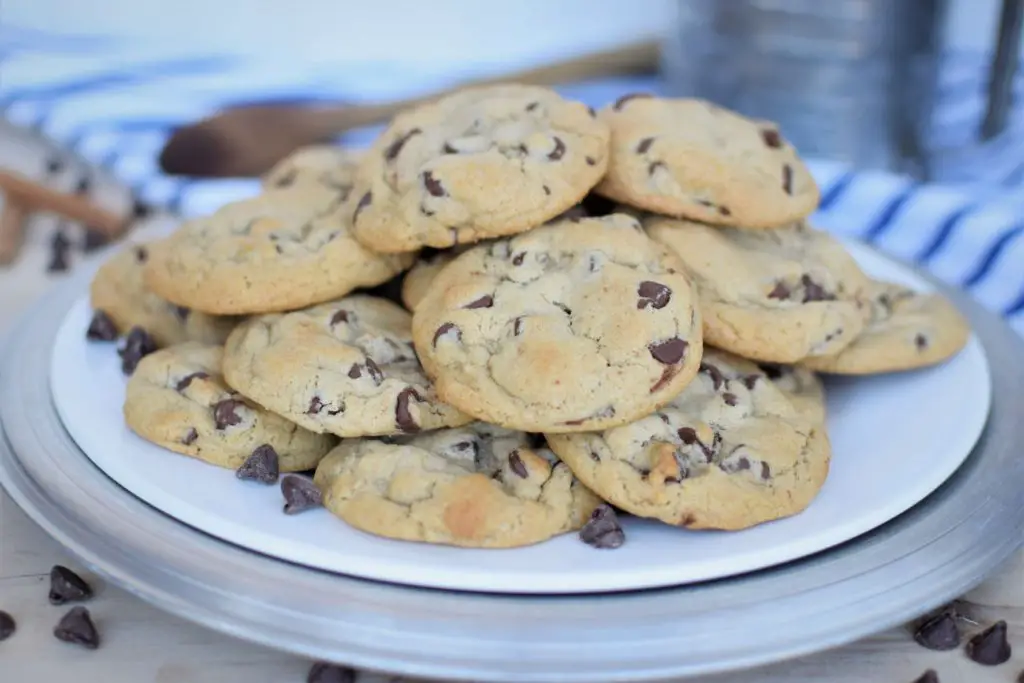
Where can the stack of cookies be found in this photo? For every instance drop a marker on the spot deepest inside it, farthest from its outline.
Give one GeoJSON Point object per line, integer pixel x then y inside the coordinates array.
{"type": "Point", "coordinates": [512, 316]}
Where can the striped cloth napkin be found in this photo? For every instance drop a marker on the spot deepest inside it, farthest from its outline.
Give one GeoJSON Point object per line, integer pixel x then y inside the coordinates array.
{"type": "Point", "coordinates": [112, 104]}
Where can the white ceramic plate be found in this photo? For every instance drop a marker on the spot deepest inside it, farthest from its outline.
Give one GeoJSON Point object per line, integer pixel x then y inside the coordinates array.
{"type": "Point", "coordinates": [895, 439]}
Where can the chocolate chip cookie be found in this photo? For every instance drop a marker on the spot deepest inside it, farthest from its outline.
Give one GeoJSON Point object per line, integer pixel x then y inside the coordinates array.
{"type": "Point", "coordinates": [177, 399]}
{"type": "Point", "coordinates": [282, 250]}
{"type": "Point", "coordinates": [802, 387]}
{"type": "Point", "coordinates": [777, 295]}
{"type": "Point", "coordinates": [729, 452]}
{"type": "Point", "coordinates": [325, 165]}
{"type": "Point", "coordinates": [118, 290]}
{"type": "Point", "coordinates": [418, 279]}
{"type": "Point", "coordinates": [347, 367]}
{"type": "Point", "coordinates": [578, 325]}
{"type": "Point", "coordinates": [483, 162]}
{"type": "Point", "coordinates": [476, 486]}
{"type": "Point", "coordinates": [907, 330]}
{"type": "Point", "coordinates": [691, 159]}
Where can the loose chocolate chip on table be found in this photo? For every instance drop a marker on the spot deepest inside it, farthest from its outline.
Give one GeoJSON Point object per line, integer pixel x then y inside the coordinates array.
{"type": "Point", "coordinates": [653, 295]}
{"type": "Point", "coordinates": [621, 102]}
{"type": "Point", "coordinates": [771, 138]}
{"type": "Point", "coordinates": [184, 382]}
{"type": "Point", "coordinates": [787, 179]}
{"type": "Point", "coordinates": [939, 632]}
{"type": "Point", "coordinates": [404, 418]}
{"type": "Point", "coordinates": [322, 672]}
{"type": "Point", "coordinates": [261, 466]}
{"type": "Point", "coordinates": [300, 494]}
{"type": "Point", "coordinates": [67, 586]}
{"type": "Point", "coordinates": [60, 247]}
{"type": "Point", "coordinates": [433, 185]}
{"type": "Point", "coordinates": [224, 414]}
{"type": "Point", "coordinates": [137, 345]}
{"type": "Point", "coordinates": [517, 465]}
{"type": "Point", "coordinates": [76, 627]}
{"type": "Point", "coordinates": [101, 328]}
{"type": "Point", "coordinates": [603, 530]}
{"type": "Point", "coordinates": [669, 352]}
{"type": "Point", "coordinates": [559, 151]}
{"type": "Point", "coordinates": [990, 647]}
{"type": "Point", "coordinates": [7, 625]}
{"type": "Point", "coordinates": [929, 676]}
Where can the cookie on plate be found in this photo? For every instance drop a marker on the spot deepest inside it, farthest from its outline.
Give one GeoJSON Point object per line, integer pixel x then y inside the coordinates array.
{"type": "Point", "coordinates": [483, 162]}
{"type": "Point", "coordinates": [802, 387]}
{"type": "Point", "coordinates": [691, 159]}
{"type": "Point", "coordinates": [771, 295]}
{"type": "Point", "coordinates": [476, 486]}
{"type": "Point", "coordinates": [419, 278]}
{"type": "Point", "coordinates": [729, 452]}
{"type": "Point", "coordinates": [325, 165]}
{"type": "Point", "coordinates": [282, 250]}
{"type": "Point", "coordinates": [579, 325]}
{"type": "Point", "coordinates": [907, 330]}
{"type": "Point", "coordinates": [119, 291]}
{"type": "Point", "coordinates": [177, 399]}
{"type": "Point", "coordinates": [347, 367]}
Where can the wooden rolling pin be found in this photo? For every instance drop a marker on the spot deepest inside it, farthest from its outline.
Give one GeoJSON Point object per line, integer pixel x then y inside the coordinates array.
{"type": "Point", "coordinates": [248, 141]}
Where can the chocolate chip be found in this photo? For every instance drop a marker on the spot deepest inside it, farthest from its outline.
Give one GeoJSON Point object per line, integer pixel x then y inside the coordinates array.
{"type": "Point", "coordinates": [339, 317]}
{"type": "Point", "coordinates": [603, 530]}
{"type": "Point", "coordinates": [517, 326]}
{"type": "Point", "coordinates": [644, 145]}
{"type": "Point", "coordinates": [724, 210]}
{"type": "Point", "coordinates": [517, 260]}
{"type": "Point", "coordinates": [137, 345]}
{"type": "Point", "coordinates": [300, 493]}
{"type": "Point", "coordinates": [101, 328]}
{"type": "Point", "coordinates": [749, 381]}
{"type": "Point", "coordinates": [654, 166]}
{"type": "Point", "coordinates": [516, 464]}
{"type": "Point", "coordinates": [621, 102]}
{"type": "Point", "coordinates": [921, 342]}
{"type": "Point", "coordinates": [376, 374]}
{"type": "Point", "coordinates": [403, 418]}
{"type": "Point", "coordinates": [562, 307]}
{"type": "Point", "coordinates": [93, 239]}
{"type": "Point", "coordinates": [322, 672]}
{"type": "Point", "coordinates": [486, 301]}
{"type": "Point", "coordinates": [182, 312]}
{"type": "Point", "coordinates": [591, 161]}
{"type": "Point", "coordinates": [688, 435]}
{"type": "Point", "coordinates": [772, 370]}
{"type": "Point", "coordinates": [594, 456]}
{"type": "Point", "coordinates": [766, 471]}
{"type": "Point", "coordinates": [653, 295]}
{"type": "Point", "coordinates": [712, 371]}
{"type": "Point", "coordinates": [444, 329]}
{"type": "Point", "coordinates": [559, 151]}
{"type": "Point", "coordinates": [190, 437]}
{"type": "Point", "coordinates": [669, 352]}
{"type": "Point", "coordinates": [262, 466]}
{"type": "Point", "coordinates": [76, 627]}
{"type": "Point", "coordinates": [532, 105]}
{"type": "Point", "coordinates": [939, 632]}
{"type": "Point", "coordinates": [7, 626]}
{"type": "Point", "coordinates": [771, 138]}
{"type": "Point", "coordinates": [433, 185]}
{"type": "Point", "coordinates": [60, 247]}
{"type": "Point", "coordinates": [67, 586]}
{"type": "Point", "coordinates": [780, 291]}
{"type": "Point", "coordinates": [787, 179]}
{"type": "Point", "coordinates": [224, 414]}
{"type": "Point", "coordinates": [141, 254]}
{"type": "Point", "coordinates": [364, 202]}
{"type": "Point", "coordinates": [448, 149]}
{"type": "Point", "coordinates": [547, 190]}
{"type": "Point", "coordinates": [184, 382]}
{"type": "Point", "coordinates": [929, 676]}
{"type": "Point", "coordinates": [590, 110]}
{"type": "Point", "coordinates": [395, 147]}
{"type": "Point", "coordinates": [813, 291]}
{"type": "Point", "coordinates": [990, 647]}
{"type": "Point", "coordinates": [729, 398]}
{"type": "Point", "coordinates": [353, 372]}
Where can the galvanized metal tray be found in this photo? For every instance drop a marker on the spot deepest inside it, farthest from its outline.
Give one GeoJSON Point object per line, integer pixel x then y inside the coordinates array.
{"type": "Point", "coordinates": [934, 552]}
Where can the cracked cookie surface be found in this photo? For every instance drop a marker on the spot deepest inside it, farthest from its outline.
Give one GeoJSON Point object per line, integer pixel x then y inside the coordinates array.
{"type": "Point", "coordinates": [689, 158]}
{"type": "Point", "coordinates": [325, 165]}
{"type": "Point", "coordinates": [347, 367]}
{"type": "Point", "coordinates": [177, 398]}
{"type": "Point", "coordinates": [282, 250]}
{"type": "Point", "coordinates": [728, 453]}
{"type": "Point", "coordinates": [577, 325]}
{"type": "Point", "coordinates": [907, 330]}
{"type": "Point", "coordinates": [483, 162]}
{"type": "Point", "coordinates": [770, 295]}
{"type": "Point", "coordinates": [118, 289]}
{"type": "Point", "coordinates": [476, 486]}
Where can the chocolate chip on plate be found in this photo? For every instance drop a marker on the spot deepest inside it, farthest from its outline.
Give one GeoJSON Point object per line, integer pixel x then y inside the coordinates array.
{"type": "Point", "coordinates": [67, 586]}
{"type": "Point", "coordinates": [261, 466]}
{"type": "Point", "coordinates": [990, 647]}
{"type": "Point", "coordinates": [929, 676]}
{"type": "Point", "coordinates": [322, 672]}
{"type": "Point", "coordinates": [603, 530]}
{"type": "Point", "coordinates": [7, 625]}
{"type": "Point", "coordinates": [101, 328]}
{"type": "Point", "coordinates": [137, 345]}
{"type": "Point", "coordinates": [76, 627]}
{"type": "Point", "coordinates": [939, 632]}
{"type": "Point", "coordinates": [300, 494]}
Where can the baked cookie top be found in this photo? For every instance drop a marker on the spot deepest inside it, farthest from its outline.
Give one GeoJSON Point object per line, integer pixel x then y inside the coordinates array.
{"type": "Point", "coordinates": [477, 486]}
{"type": "Point", "coordinates": [118, 289]}
{"type": "Point", "coordinates": [419, 278]}
{"type": "Point", "coordinates": [772, 295]}
{"type": "Point", "coordinates": [483, 162]}
{"type": "Point", "coordinates": [281, 250]}
{"type": "Point", "coordinates": [578, 325]}
{"type": "Point", "coordinates": [177, 398]}
{"type": "Point", "coordinates": [326, 165]}
{"type": "Point", "coordinates": [347, 367]}
{"type": "Point", "coordinates": [729, 452]}
{"type": "Point", "coordinates": [907, 330]}
{"type": "Point", "coordinates": [802, 387]}
{"type": "Point", "coordinates": [689, 158]}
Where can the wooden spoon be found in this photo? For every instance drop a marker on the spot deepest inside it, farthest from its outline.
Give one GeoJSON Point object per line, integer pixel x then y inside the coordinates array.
{"type": "Point", "coordinates": [248, 141]}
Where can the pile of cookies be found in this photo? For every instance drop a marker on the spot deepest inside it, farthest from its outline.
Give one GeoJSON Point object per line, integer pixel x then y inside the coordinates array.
{"type": "Point", "coordinates": [517, 315]}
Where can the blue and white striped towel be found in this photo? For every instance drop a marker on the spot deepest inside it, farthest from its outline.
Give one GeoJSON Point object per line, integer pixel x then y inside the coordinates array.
{"type": "Point", "coordinates": [114, 104]}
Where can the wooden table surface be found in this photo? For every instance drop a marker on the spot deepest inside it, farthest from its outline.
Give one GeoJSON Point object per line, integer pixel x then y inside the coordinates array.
{"type": "Point", "coordinates": [140, 644]}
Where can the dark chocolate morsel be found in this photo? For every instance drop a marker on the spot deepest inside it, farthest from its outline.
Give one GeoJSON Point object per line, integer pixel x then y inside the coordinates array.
{"type": "Point", "coordinates": [262, 466]}
{"type": "Point", "coordinates": [654, 166]}
{"type": "Point", "coordinates": [7, 626]}
{"type": "Point", "coordinates": [76, 627]}
{"type": "Point", "coordinates": [391, 153]}
{"type": "Point", "coordinates": [444, 329]}
{"type": "Point", "coordinates": [749, 381]}
{"type": "Point", "coordinates": [603, 530]}
{"type": "Point", "coordinates": [486, 301]}
{"type": "Point", "coordinates": [532, 105]}
{"type": "Point", "coordinates": [813, 291]}
{"type": "Point", "coordinates": [621, 102]}
{"type": "Point", "coordinates": [787, 179]}
{"type": "Point", "coordinates": [990, 647]}
{"type": "Point", "coordinates": [591, 161]}
{"type": "Point", "coordinates": [921, 342]}
{"type": "Point", "coordinates": [364, 202]}
{"type": "Point", "coordinates": [780, 291]}
{"type": "Point", "coordinates": [712, 371]}
{"type": "Point", "coordinates": [101, 328]}
{"type": "Point", "coordinates": [67, 586]}
{"type": "Point", "coordinates": [644, 145]}
{"type": "Point", "coordinates": [322, 672]}
{"type": "Point", "coordinates": [137, 345]}
{"type": "Point", "coordinates": [559, 151]}
{"type": "Point", "coordinates": [517, 465]}
{"type": "Point", "coordinates": [190, 437]}
{"type": "Point", "coordinates": [433, 185]}
{"type": "Point", "coordinates": [652, 295]}
{"type": "Point", "coordinates": [339, 317]}
{"type": "Point", "coordinates": [403, 417]}
{"type": "Point", "coordinates": [372, 369]}
{"type": "Point", "coordinates": [668, 352]}
{"type": "Point", "coordinates": [184, 382]}
{"type": "Point", "coordinates": [939, 632]}
{"type": "Point", "coordinates": [771, 138]}
{"type": "Point", "coordinates": [224, 414]}
{"type": "Point", "coordinates": [729, 398]}
{"type": "Point", "coordinates": [300, 494]}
